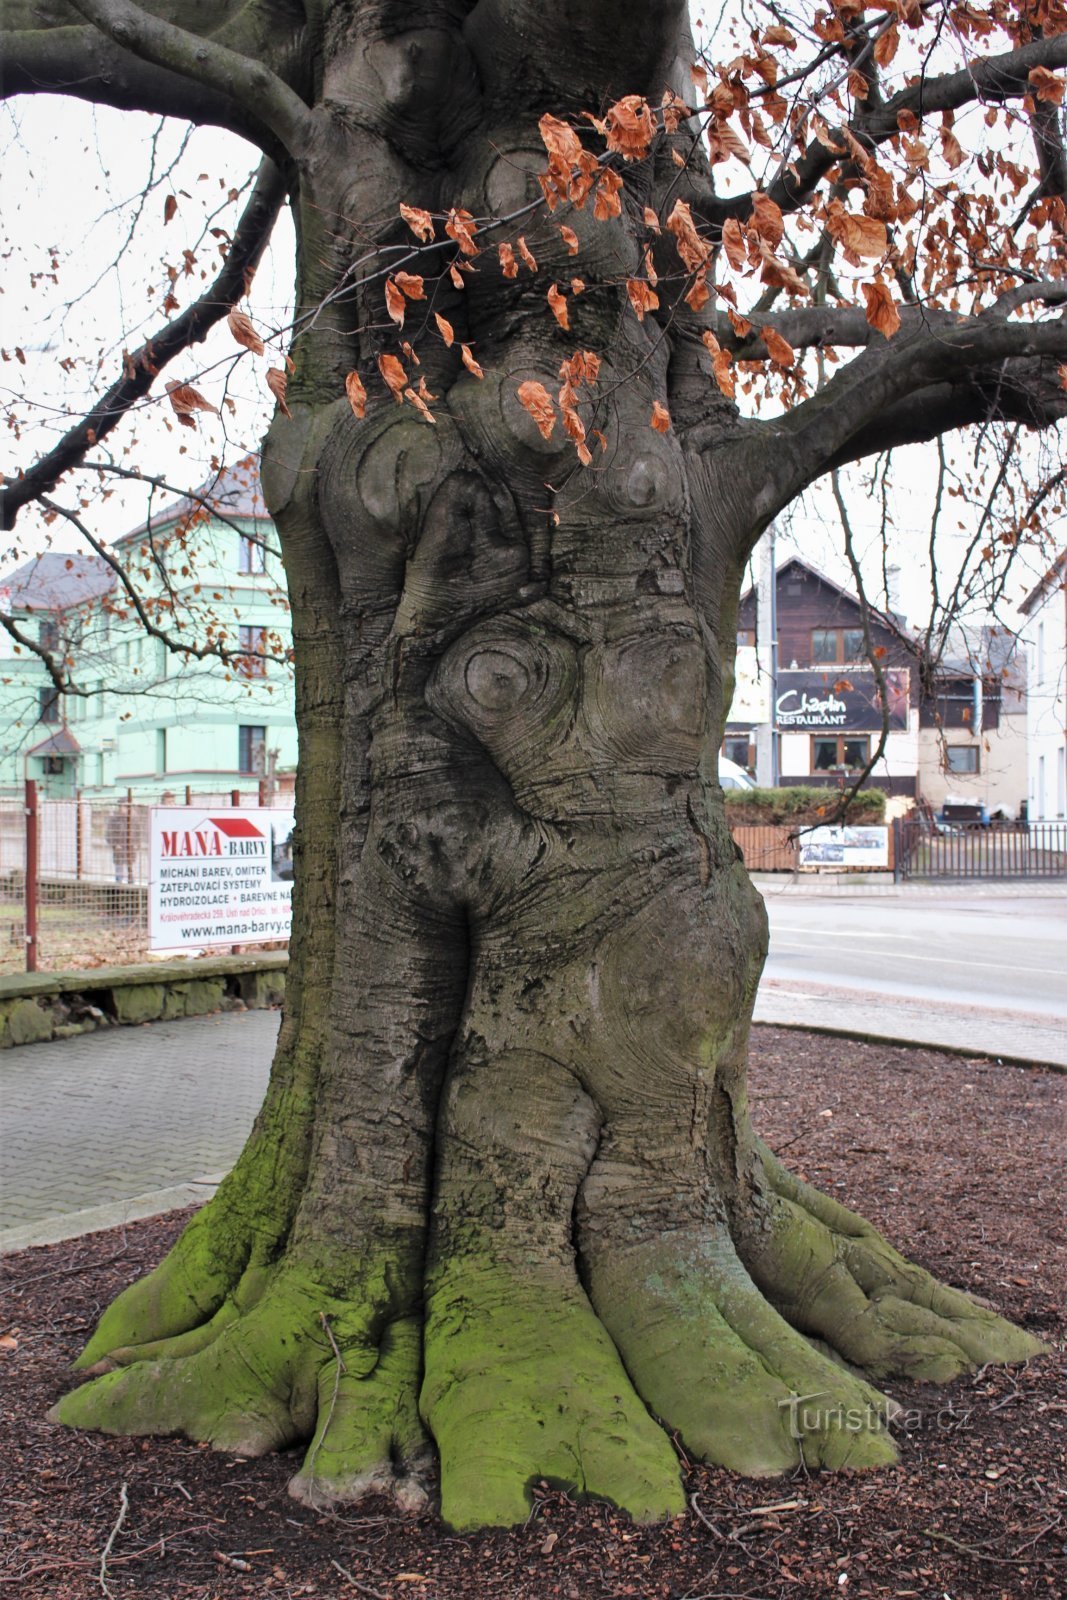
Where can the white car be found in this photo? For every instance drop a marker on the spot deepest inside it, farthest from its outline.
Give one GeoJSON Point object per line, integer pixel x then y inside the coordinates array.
{"type": "Point", "coordinates": [731, 776]}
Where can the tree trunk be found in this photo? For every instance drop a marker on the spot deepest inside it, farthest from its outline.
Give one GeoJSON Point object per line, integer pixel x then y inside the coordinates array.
{"type": "Point", "coordinates": [504, 1192]}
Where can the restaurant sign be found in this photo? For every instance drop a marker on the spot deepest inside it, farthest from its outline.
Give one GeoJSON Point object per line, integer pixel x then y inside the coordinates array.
{"type": "Point", "coordinates": [840, 697]}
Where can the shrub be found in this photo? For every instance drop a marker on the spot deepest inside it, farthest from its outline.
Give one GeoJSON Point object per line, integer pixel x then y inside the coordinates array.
{"type": "Point", "coordinates": [801, 804]}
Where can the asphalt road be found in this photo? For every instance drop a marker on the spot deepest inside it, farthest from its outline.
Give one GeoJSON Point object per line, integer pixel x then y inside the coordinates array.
{"type": "Point", "coordinates": [982, 951]}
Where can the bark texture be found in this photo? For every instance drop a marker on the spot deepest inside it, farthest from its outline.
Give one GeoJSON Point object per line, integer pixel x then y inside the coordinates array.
{"type": "Point", "coordinates": [504, 1194]}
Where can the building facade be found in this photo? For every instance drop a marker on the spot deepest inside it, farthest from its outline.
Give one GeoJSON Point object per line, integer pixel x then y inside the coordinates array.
{"type": "Point", "coordinates": [956, 735]}
{"type": "Point", "coordinates": [156, 711]}
{"type": "Point", "coordinates": [1045, 610]}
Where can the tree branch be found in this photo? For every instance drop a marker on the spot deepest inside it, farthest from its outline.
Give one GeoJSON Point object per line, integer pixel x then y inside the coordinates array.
{"type": "Point", "coordinates": [994, 79]}
{"type": "Point", "coordinates": [824, 326]}
{"type": "Point", "coordinates": [930, 371]}
{"type": "Point", "coordinates": [246, 81]}
{"type": "Point", "coordinates": [144, 366]}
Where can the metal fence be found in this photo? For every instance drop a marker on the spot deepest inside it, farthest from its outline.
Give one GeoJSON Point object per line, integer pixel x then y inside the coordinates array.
{"type": "Point", "coordinates": [969, 851]}
{"type": "Point", "coordinates": [74, 876]}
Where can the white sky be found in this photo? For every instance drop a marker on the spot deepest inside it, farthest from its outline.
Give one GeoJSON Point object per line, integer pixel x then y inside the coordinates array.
{"type": "Point", "coordinates": [78, 173]}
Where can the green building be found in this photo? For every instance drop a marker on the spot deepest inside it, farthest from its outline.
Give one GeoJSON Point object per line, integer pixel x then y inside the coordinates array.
{"type": "Point", "coordinates": [152, 718]}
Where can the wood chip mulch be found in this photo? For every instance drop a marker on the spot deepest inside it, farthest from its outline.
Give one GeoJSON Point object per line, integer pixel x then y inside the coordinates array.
{"type": "Point", "coordinates": [959, 1161]}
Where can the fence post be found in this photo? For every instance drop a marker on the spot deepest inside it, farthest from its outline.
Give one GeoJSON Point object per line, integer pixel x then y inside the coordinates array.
{"type": "Point", "coordinates": [235, 797]}
{"type": "Point", "coordinates": [32, 862]}
{"type": "Point", "coordinates": [263, 792]}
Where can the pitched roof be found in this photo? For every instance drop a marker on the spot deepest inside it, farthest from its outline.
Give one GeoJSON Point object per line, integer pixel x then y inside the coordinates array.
{"type": "Point", "coordinates": [1055, 577]}
{"type": "Point", "coordinates": [52, 581]}
{"type": "Point", "coordinates": [233, 491]}
{"type": "Point", "coordinates": [60, 743]}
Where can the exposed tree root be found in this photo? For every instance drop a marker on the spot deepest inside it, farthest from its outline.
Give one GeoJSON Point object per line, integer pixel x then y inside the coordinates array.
{"type": "Point", "coordinates": [526, 1377]}
{"type": "Point", "coordinates": [523, 1383]}
{"type": "Point", "coordinates": [834, 1276]}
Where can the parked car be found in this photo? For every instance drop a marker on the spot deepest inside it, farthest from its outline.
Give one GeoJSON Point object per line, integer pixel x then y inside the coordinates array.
{"type": "Point", "coordinates": [731, 776]}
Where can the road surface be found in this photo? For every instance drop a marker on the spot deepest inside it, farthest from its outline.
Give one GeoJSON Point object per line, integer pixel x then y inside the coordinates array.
{"type": "Point", "coordinates": [987, 951]}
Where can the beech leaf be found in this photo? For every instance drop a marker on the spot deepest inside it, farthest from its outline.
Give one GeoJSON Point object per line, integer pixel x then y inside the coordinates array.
{"type": "Point", "coordinates": [661, 417]}
{"type": "Point", "coordinates": [393, 372]}
{"type": "Point", "coordinates": [508, 265]}
{"type": "Point", "coordinates": [420, 222]}
{"type": "Point", "coordinates": [243, 330]}
{"type": "Point", "coordinates": [357, 394]}
{"type": "Point", "coordinates": [642, 297]}
{"type": "Point", "coordinates": [411, 285]}
{"type": "Point", "coordinates": [469, 361]}
{"type": "Point", "coordinates": [186, 401]}
{"type": "Point", "coordinates": [882, 313]}
{"type": "Point", "coordinates": [559, 307]}
{"type": "Point", "coordinates": [778, 347]}
{"type": "Point", "coordinates": [570, 239]}
{"type": "Point", "coordinates": [444, 328]}
{"type": "Point", "coordinates": [395, 303]}
{"type": "Point", "coordinates": [535, 399]}
{"type": "Point", "coordinates": [277, 383]}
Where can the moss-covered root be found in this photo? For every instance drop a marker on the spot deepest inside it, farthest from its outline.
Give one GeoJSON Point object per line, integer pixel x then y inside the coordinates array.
{"type": "Point", "coordinates": [370, 1438]}
{"type": "Point", "coordinates": [832, 1274]}
{"type": "Point", "coordinates": [714, 1359]}
{"type": "Point", "coordinates": [523, 1384]}
{"type": "Point", "coordinates": [253, 1389]}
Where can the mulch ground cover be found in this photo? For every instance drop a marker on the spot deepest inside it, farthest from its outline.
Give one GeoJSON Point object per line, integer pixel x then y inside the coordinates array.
{"type": "Point", "coordinates": [959, 1161]}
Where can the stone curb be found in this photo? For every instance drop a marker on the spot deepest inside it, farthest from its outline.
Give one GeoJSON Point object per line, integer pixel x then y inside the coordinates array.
{"type": "Point", "coordinates": [72, 1224]}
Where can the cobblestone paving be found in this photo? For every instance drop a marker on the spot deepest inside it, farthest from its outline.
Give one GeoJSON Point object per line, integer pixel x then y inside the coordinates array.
{"type": "Point", "coordinates": [124, 1112]}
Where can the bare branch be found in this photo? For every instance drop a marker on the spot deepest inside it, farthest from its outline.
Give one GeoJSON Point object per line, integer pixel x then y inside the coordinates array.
{"type": "Point", "coordinates": [144, 366]}
{"type": "Point", "coordinates": [992, 80]}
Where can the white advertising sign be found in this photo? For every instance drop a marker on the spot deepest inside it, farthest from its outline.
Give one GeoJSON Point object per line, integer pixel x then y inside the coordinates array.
{"type": "Point", "coordinates": [845, 847]}
{"type": "Point", "coordinates": [218, 876]}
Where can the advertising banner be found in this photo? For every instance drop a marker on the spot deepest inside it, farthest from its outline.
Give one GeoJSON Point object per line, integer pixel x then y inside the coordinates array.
{"type": "Point", "coordinates": [840, 697]}
{"type": "Point", "coordinates": [218, 876]}
{"type": "Point", "coordinates": [844, 847]}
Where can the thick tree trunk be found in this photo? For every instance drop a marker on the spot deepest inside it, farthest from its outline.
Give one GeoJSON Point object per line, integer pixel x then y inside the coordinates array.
{"type": "Point", "coordinates": [505, 1192]}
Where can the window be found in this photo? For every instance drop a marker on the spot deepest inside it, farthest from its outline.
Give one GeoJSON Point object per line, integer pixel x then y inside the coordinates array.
{"type": "Point", "coordinates": [251, 556]}
{"type": "Point", "coordinates": [745, 636]}
{"type": "Point", "coordinates": [836, 644]}
{"type": "Point", "coordinates": [735, 747]}
{"type": "Point", "coordinates": [253, 645]}
{"type": "Point", "coordinates": [49, 706]}
{"type": "Point", "coordinates": [48, 634]}
{"type": "Point", "coordinates": [252, 749]}
{"type": "Point", "coordinates": [847, 752]}
{"type": "Point", "coordinates": [161, 749]}
{"type": "Point", "coordinates": [961, 758]}
{"type": "Point", "coordinates": [52, 766]}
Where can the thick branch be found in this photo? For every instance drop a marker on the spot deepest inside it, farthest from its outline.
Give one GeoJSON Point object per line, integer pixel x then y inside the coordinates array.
{"type": "Point", "coordinates": [825, 326]}
{"type": "Point", "coordinates": [248, 82]}
{"type": "Point", "coordinates": [976, 357]}
{"type": "Point", "coordinates": [1023, 391]}
{"type": "Point", "coordinates": [144, 366]}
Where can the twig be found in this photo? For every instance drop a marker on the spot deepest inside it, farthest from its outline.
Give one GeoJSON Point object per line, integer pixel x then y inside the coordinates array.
{"type": "Point", "coordinates": [124, 1506]}
{"type": "Point", "coordinates": [338, 1370]}
{"type": "Point", "coordinates": [979, 1555]}
{"type": "Point", "coordinates": [364, 1588]}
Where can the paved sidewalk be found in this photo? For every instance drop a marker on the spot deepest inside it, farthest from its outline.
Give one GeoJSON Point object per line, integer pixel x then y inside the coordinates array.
{"type": "Point", "coordinates": [125, 1123]}
{"type": "Point", "coordinates": [132, 1122]}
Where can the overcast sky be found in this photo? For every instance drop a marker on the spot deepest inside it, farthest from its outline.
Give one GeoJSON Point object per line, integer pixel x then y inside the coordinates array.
{"type": "Point", "coordinates": [79, 173]}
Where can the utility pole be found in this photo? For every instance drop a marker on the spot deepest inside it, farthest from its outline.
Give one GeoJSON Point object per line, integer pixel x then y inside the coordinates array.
{"type": "Point", "coordinates": [767, 660]}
